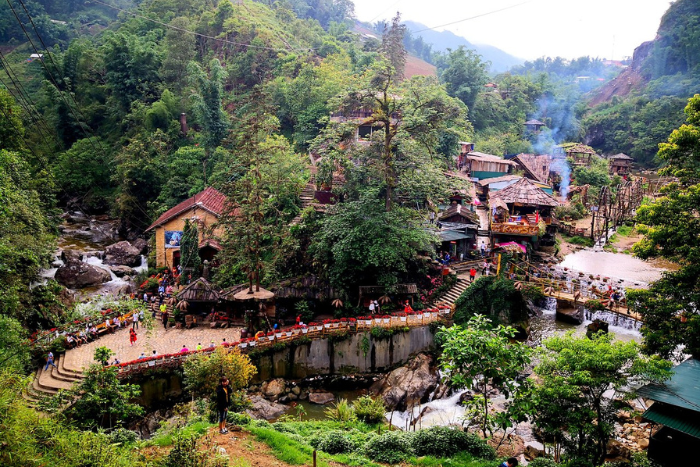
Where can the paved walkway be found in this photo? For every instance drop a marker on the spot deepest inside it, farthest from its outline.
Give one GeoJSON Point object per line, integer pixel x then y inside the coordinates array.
{"type": "Point", "coordinates": [158, 339]}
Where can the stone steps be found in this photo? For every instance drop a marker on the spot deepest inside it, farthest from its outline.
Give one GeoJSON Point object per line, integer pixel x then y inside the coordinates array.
{"type": "Point", "coordinates": [454, 293]}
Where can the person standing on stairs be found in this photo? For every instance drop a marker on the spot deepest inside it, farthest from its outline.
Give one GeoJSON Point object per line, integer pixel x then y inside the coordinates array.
{"type": "Point", "coordinates": [49, 361]}
{"type": "Point", "coordinates": [472, 274]}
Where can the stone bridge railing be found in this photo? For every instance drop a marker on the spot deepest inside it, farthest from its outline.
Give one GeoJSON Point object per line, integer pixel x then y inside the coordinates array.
{"type": "Point", "coordinates": [312, 331]}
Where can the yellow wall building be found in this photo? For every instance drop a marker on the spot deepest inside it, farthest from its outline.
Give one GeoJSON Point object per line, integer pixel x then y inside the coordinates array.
{"type": "Point", "coordinates": [204, 208]}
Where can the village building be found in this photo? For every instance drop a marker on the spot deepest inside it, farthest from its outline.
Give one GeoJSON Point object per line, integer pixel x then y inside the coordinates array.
{"type": "Point", "coordinates": [580, 154]}
{"type": "Point", "coordinates": [465, 148]}
{"type": "Point", "coordinates": [534, 126]}
{"type": "Point", "coordinates": [458, 227]}
{"type": "Point", "coordinates": [522, 213]}
{"type": "Point", "coordinates": [480, 166]}
{"type": "Point", "coordinates": [620, 164]}
{"type": "Point", "coordinates": [676, 410]}
{"type": "Point", "coordinates": [204, 209]}
{"type": "Point", "coordinates": [536, 168]}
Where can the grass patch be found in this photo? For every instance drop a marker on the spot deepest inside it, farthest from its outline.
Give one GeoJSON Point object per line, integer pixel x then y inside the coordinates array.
{"type": "Point", "coordinates": [626, 231]}
{"type": "Point", "coordinates": [578, 240]}
{"type": "Point", "coordinates": [459, 460]}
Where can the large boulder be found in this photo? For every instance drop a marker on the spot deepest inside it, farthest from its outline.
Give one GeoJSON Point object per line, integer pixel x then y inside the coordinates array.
{"type": "Point", "coordinates": [71, 255]}
{"type": "Point", "coordinates": [121, 271]}
{"type": "Point", "coordinates": [262, 409]}
{"type": "Point", "coordinates": [408, 385]}
{"type": "Point", "coordinates": [321, 397]}
{"type": "Point", "coordinates": [273, 389]}
{"type": "Point", "coordinates": [123, 253]}
{"type": "Point", "coordinates": [78, 275]}
{"type": "Point", "coordinates": [140, 244]}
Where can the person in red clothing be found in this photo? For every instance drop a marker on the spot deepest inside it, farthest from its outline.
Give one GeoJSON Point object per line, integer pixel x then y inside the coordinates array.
{"type": "Point", "coordinates": [472, 274]}
{"type": "Point", "coordinates": [132, 336]}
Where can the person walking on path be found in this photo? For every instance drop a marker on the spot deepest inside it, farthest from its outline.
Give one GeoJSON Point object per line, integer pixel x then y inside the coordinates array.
{"type": "Point", "coordinates": [132, 337]}
{"type": "Point", "coordinates": [511, 462]}
{"type": "Point", "coordinates": [49, 361]}
{"type": "Point", "coordinates": [483, 249]}
{"type": "Point", "coordinates": [472, 274]}
{"type": "Point", "coordinates": [164, 317]}
{"type": "Point", "coordinates": [135, 320]}
{"type": "Point", "coordinates": [223, 399]}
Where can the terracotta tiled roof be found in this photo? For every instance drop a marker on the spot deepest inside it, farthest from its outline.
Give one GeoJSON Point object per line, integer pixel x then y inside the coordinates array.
{"type": "Point", "coordinates": [210, 199]}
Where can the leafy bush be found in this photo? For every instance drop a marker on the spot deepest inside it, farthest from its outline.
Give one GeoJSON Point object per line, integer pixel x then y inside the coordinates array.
{"type": "Point", "coordinates": [391, 447]}
{"type": "Point", "coordinates": [445, 441]}
{"type": "Point", "coordinates": [341, 411]}
{"type": "Point", "coordinates": [369, 409]}
{"type": "Point", "coordinates": [123, 436]}
{"type": "Point", "coordinates": [336, 442]}
{"type": "Point", "coordinates": [58, 345]}
{"type": "Point", "coordinates": [542, 462]}
{"type": "Point", "coordinates": [238, 418]}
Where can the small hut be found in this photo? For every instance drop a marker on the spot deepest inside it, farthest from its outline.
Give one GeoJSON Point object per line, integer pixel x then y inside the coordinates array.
{"type": "Point", "coordinates": [528, 208]}
{"type": "Point", "coordinates": [201, 296]}
{"type": "Point", "coordinates": [534, 126]}
{"type": "Point", "coordinates": [480, 165]}
{"type": "Point", "coordinates": [536, 168]}
{"type": "Point", "coordinates": [620, 164]}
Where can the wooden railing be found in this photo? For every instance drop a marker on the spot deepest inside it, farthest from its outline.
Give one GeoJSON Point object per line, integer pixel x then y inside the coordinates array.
{"type": "Point", "coordinates": [320, 331]}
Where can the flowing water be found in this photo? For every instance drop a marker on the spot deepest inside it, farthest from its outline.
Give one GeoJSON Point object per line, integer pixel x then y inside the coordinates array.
{"type": "Point", "coordinates": [623, 270]}
{"type": "Point", "coordinates": [90, 236]}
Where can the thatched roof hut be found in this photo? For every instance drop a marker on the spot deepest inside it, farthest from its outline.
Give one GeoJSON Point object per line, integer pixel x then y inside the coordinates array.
{"type": "Point", "coordinates": [228, 293]}
{"type": "Point", "coordinates": [201, 290]}
{"type": "Point", "coordinates": [524, 193]}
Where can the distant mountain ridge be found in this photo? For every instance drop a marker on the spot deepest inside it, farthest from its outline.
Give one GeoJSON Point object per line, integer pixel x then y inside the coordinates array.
{"type": "Point", "coordinates": [500, 60]}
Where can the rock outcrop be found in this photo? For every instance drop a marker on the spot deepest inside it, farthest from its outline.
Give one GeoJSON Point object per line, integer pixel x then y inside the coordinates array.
{"type": "Point", "coordinates": [141, 245]}
{"type": "Point", "coordinates": [408, 385]}
{"type": "Point", "coordinates": [321, 397]}
{"type": "Point", "coordinates": [78, 275]}
{"type": "Point", "coordinates": [121, 271]}
{"type": "Point", "coordinates": [262, 409]}
{"type": "Point", "coordinates": [273, 389]}
{"type": "Point", "coordinates": [123, 254]}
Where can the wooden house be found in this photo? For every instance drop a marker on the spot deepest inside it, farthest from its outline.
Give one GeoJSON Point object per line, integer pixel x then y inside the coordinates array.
{"type": "Point", "coordinates": [620, 164]}
{"type": "Point", "coordinates": [465, 148]}
{"type": "Point", "coordinates": [536, 168]}
{"type": "Point", "coordinates": [204, 209]}
{"type": "Point", "coordinates": [525, 214]}
{"type": "Point", "coordinates": [580, 154]}
{"type": "Point", "coordinates": [675, 414]}
{"type": "Point", "coordinates": [534, 126]}
{"type": "Point", "coordinates": [458, 229]}
{"type": "Point", "coordinates": [481, 166]}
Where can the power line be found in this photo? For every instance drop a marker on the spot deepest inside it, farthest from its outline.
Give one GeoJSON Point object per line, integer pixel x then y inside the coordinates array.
{"type": "Point", "coordinates": [77, 107]}
{"type": "Point", "coordinates": [22, 96]}
{"type": "Point", "coordinates": [474, 17]}
{"type": "Point", "coordinates": [385, 10]}
{"type": "Point", "coordinates": [225, 41]}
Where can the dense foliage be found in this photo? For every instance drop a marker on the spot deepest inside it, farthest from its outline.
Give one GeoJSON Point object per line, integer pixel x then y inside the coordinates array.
{"type": "Point", "coordinates": [669, 226]}
{"type": "Point", "coordinates": [492, 296]}
{"type": "Point", "coordinates": [203, 371]}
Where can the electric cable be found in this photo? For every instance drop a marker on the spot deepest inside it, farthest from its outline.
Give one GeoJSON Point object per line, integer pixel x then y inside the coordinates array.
{"type": "Point", "coordinates": [53, 80]}
{"type": "Point", "coordinates": [474, 17]}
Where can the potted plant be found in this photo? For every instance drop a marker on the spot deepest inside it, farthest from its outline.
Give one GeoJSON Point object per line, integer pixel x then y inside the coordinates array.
{"type": "Point", "coordinates": [288, 333]}
{"type": "Point", "coordinates": [327, 323]}
{"type": "Point", "coordinates": [271, 335]}
{"type": "Point", "coordinates": [386, 319]}
{"type": "Point", "coordinates": [252, 342]}
{"type": "Point", "coordinates": [243, 343]}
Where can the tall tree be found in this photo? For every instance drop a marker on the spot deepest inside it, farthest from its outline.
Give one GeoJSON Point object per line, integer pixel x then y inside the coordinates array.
{"type": "Point", "coordinates": [569, 400]}
{"type": "Point", "coordinates": [464, 74]}
{"type": "Point", "coordinates": [671, 322]}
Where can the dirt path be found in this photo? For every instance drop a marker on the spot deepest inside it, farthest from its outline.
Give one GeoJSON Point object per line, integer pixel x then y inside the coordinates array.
{"type": "Point", "coordinates": [245, 451]}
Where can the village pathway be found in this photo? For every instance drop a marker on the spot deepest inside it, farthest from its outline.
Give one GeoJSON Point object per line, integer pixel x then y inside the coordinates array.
{"type": "Point", "coordinates": [157, 338]}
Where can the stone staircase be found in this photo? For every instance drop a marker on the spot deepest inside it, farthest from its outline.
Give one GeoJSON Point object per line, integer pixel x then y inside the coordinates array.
{"type": "Point", "coordinates": [453, 294]}
{"type": "Point", "coordinates": [49, 382]}
{"type": "Point", "coordinates": [307, 199]}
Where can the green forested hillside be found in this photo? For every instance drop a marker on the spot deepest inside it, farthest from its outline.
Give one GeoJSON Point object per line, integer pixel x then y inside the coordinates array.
{"type": "Point", "coordinates": [668, 73]}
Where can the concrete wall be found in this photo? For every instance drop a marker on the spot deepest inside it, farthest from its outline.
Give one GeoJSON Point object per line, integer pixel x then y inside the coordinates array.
{"type": "Point", "coordinates": [323, 357]}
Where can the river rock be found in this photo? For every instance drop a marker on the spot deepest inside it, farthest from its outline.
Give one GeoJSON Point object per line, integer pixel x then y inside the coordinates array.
{"type": "Point", "coordinates": [321, 397]}
{"type": "Point", "coordinates": [123, 253]}
{"type": "Point", "coordinates": [121, 271]}
{"type": "Point", "coordinates": [262, 409]}
{"type": "Point", "coordinates": [78, 275]}
{"type": "Point", "coordinates": [273, 389]}
{"type": "Point", "coordinates": [531, 452]}
{"type": "Point", "coordinates": [570, 315]}
{"type": "Point", "coordinates": [71, 255]}
{"type": "Point", "coordinates": [512, 446]}
{"type": "Point", "coordinates": [141, 245]}
{"type": "Point", "coordinates": [617, 452]}
{"type": "Point", "coordinates": [408, 385]}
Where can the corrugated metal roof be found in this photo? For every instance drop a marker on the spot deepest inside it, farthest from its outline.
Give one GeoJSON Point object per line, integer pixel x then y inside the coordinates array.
{"type": "Point", "coordinates": [450, 235]}
{"type": "Point", "coordinates": [681, 390]}
{"type": "Point", "coordinates": [677, 419]}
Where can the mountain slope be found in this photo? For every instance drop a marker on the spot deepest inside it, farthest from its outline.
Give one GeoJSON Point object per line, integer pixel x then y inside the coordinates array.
{"type": "Point", "coordinates": [500, 60]}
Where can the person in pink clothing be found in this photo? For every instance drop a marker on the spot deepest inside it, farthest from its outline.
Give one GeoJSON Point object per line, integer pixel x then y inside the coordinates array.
{"type": "Point", "coordinates": [184, 349]}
